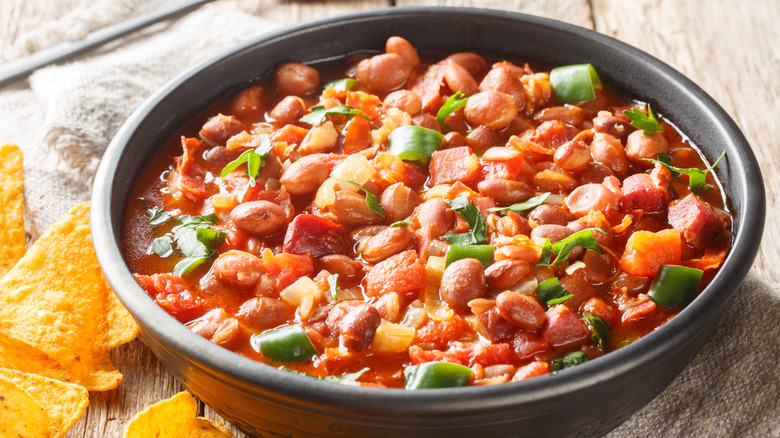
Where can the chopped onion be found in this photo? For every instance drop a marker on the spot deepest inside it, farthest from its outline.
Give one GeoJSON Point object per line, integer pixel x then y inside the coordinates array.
{"type": "Point", "coordinates": [295, 293]}
{"type": "Point", "coordinates": [392, 338]}
{"type": "Point", "coordinates": [415, 315]}
{"type": "Point", "coordinates": [575, 266]}
{"type": "Point", "coordinates": [434, 307]}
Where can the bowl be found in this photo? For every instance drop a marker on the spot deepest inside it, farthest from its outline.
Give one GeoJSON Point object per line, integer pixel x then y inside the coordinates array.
{"type": "Point", "coordinates": [586, 400]}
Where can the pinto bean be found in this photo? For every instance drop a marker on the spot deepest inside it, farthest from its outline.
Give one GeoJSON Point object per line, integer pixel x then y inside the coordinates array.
{"type": "Point", "coordinates": [491, 108]}
{"type": "Point", "coordinates": [550, 214]}
{"type": "Point", "coordinates": [612, 125]}
{"type": "Point", "coordinates": [513, 224]}
{"type": "Point", "coordinates": [503, 274]}
{"type": "Point", "coordinates": [306, 175]}
{"type": "Point", "coordinates": [482, 138]}
{"type": "Point", "coordinates": [220, 128]}
{"type": "Point", "coordinates": [453, 140]}
{"type": "Point", "coordinates": [382, 73]}
{"type": "Point", "coordinates": [388, 242]}
{"type": "Point", "coordinates": [472, 62]}
{"type": "Point", "coordinates": [350, 208]}
{"type": "Point", "coordinates": [219, 156]}
{"type": "Point", "coordinates": [570, 114]}
{"type": "Point", "coordinates": [260, 313]}
{"type": "Point", "coordinates": [639, 147]}
{"type": "Point", "coordinates": [608, 151]}
{"type": "Point", "coordinates": [319, 138]}
{"type": "Point", "coordinates": [599, 268]}
{"type": "Point", "coordinates": [259, 217]}
{"type": "Point", "coordinates": [238, 268]}
{"type": "Point", "coordinates": [404, 48]}
{"type": "Point", "coordinates": [404, 100]}
{"type": "Point", "coordinates": [217, 327]}
{"type": "Point", "coordinates": [248, 104]}
{"type": "Point", "coordinates": [505, 191]}
{"type": "Point", "coordinates": [501, 79]}
{"type": "Point", "coordinates": [572, 156]}
{"type": "Point", "coordinates": [459, 79]}
{"type": "Point", "coordinates": [288, 110]}
{"type": "Point", "coordinates": [595, 173]}
{"type": "Point", "coordinates": [355, 322]}
{"type": "Point", "coordinates": [580, 288]}
{"type": "Point", "coordinates": [296, 79]}
{"type": "Point", "coordinates": [551, 231]}
{"type": "Point", "coordinates": [521, 310]}
{"type": "Point", "coordinates": [426, 121]}
{"type": "Point", "coordinates": [435, 217]}
{"type": "Point", "coordinates": [589, 197]}
{"type": "Point", "coordinates": [398, 201]}
{"type": "Point", "coordinates": [462, 281]}
{"type": "Point", "coordinates": [340, 264]}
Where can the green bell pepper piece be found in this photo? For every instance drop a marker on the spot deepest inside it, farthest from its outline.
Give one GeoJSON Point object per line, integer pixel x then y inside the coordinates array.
{"type": "Point", "coordinates": [675, 286]}
{"type": "Point", "coordinates": [287, 344]}
{"type": "Point", "coordinates": [436, 375]}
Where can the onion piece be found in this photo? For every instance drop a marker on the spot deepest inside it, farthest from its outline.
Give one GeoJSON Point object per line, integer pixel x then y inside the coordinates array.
{"type": "Point", "coordinates": [434, 307]}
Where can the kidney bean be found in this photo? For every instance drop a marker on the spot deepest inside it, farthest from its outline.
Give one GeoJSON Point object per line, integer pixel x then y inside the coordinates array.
{"type": "Point", "coordinates": [344, 266]}
{"type": "Point", "coordinates": [459, 79]}
{"type": "Point", "coordinates": [580, 288]}
{"type": "Point", "coordinates": [382, 73]}
{"type": "Point", "coordinates": [594, 221]}
{"type": "Point", "coordinates": [288, 110]}
{"type": "Point", "coordinates": [355, 322]}
{"type": "Point", "coordinates": [218, 129]}
{"type": "Point", "coordinates": [462, 281]}
{"type": "Point", "coordinates": [296, 79]}
{"type": "Point", "coordinates": [388, 242]}
{"type": "Point", "coordinates": [404, 100]}
{"type": "Point", "coordinates": [261, 313]}
{"type": "Point", "coordinates": [483, 138]}
{"type": "Point", "coordinates": [472, 62]}
{"type": "Point", "coordinates": [570, 114]}
{"type": "Point", "coordinates": [259, 217]}
{"type": "Point", "coordinates": [599, 268]}
{"type": "Point", "coordinates": [453, 140]}
{"type": "Point", "coordinates": [572, 156]}
{"type": "Point", "coordinates": [612, 125]}
{"type": "Point", "coordinates": [608, 151]}
{"type": "Point", "coordinates": [219, 156]}
{"type": "Point", "coordinates": [404, 48]}
{"type": "Point", "coordinates": [426, 121]}
{"type": "Point", "coordinates": [553, 232]}
{"type": "Point", "coordinates": [435, 217]}
{"type": "Point", "coordinates": [248, 103]}
{"type": "Point", "coordinates": [505, 191]}
{"type": "Point", "coordinates": [521, 310]}
{"type": "Point", "coordinates": [305, 176]}
{"type": "Point", "coordinates": [350, 208]}
{"type": "Point", "coordinates": [595, 173]}
{"type": "Point", "coordinates": [501, 79]}
{"type": "Point", "coordinates": [491, 108]}
{"type": "Point", "coordinates": [319, 138]}
{"type": "Point", "coordinates": [550, 214]}
{"type": "Point", "coordinates": [398, 201]}
{"type": "Point", "coordinates": [238, 268]}
{"type": "Point", "coordinates": [591, 197]}
{"type": "Point", "coordinates": [513, 224]}
{"type": "Point", "coordinates": [639, 147]}
{"type": "Point", "coordinates": [503, 274]}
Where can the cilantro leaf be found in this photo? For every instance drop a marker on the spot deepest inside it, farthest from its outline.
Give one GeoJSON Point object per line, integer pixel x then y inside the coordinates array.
{"type": "Point", "coordinates": [157, 215]}
{"type": "Point", "coordinates": [253, 158]}
{"type": "Point", "coordinates": [599, 327]}
{"type": "Point", "coordinates": [647, 123]}
{"type": "Point", "coordinates": [334, 287]}
{"type": "Point", "coordinates": [522, 206]}
{"type": "Point", "coordinates": [563, 247]}
{"type": "Point", "coordinates": [469, 211]}
{"type": "Point", "coordinates": [568, 360]}
{"type": "Point", "coordinates": [371, 199]}
{"type": "Point", "coordinates": [345, 84]}
{"type": "Point", "coordinates": [318, 114]}
{"type": "Point", "coordinates": [450, 106]}
{"type": "Point", "coordinates": [551, 292]}
{"type": "Point", "coordinates": [161, 246]}
{"type": "Point", "coordinates": [697, 178]}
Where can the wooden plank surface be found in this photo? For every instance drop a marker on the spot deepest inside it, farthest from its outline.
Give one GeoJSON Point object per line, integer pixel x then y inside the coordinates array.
{"type": "Point", "coordinates": [728, 47]}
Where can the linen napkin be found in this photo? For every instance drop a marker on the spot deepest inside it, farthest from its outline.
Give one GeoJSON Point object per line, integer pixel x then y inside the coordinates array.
{"type": "Point", "coordinates": [64, 116]}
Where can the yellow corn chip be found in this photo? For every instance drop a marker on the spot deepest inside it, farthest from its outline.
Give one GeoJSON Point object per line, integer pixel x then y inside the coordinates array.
{"type": "Point", "coordinates": [64, 402]}
{"type": "Point", "coordinates": [12, 200]}
{"type": "Point", "coordinates": [174, 418]}
{"type": "Point", "coordinates": [20, 415]}
{"type": "Point", "coordinates": [57, 303]}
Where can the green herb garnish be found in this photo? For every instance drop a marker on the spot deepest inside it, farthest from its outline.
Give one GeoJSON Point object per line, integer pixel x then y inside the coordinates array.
{"type": "Point", "coordinates": [473, 217]}
{"type": "Point", "coordinates": [522, 206]}
{"type": "Point", "coordinates": [318, 114]}
{"type": "Point", "coordinates": [371, 199]}
{"type": "Point", "coordinates": [599, 327]}
{"type": "Point", "coordinates": [569, 360]}
{"type": "Point", "coordinates": [697, 178]}
{"type": "Point", "coordinates": [647, 123]}
{"type": "Point", "coordinates": [253, 158]}
{"type": "Point", "coordinates": [157, 215]}
{"type": "Point", "coordinates": [345, 84]}
{"type": "Point", "coordinates": [194, 239]}
{"type": "Point", "coordinates": [334, 287]}
{"type": "Point", "coordinates": [551, 292]}
{"type": "Point", "coordinates": [450, 106]}
{"type": "Point", "coordinates": [563, 247]}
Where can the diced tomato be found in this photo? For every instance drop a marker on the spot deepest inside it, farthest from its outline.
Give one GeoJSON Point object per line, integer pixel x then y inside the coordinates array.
{"type": "Point", "coordinates": [494, 327]}
{"type": "Point", "coordinates": [358, 135]}
{"type": "Point", "coordinates": [441, 333]}
{"type": "Point", "coordinates": [285, 268]}
{"type": "Point", "coordinates": [418, 355]}
{"type": "Point", "coordinates": [402, 273]}
{"type": "Point", "coordinates": [696, 221]}
{"type": "Point", "coordinates": [428, 87]}
{"type": "Point", "coordinates": [641, 193]}
{"type": "Point", "coordinates": [506, 168]}
{"type": "Point", "coordinates": [170, 292]}
{"type": "Point", "coordinates": [550, 134]}
{"type": "Point", "coordinates": [526, 345]}
{"type": "Point", "coordinates": [563, 330]}
{"type": "Point", "coordinates": [290, 134]}
{"type": "Point", "coordinates": [188, 177]}
{"type": "Point", "coordinates": [309, 234]}
{"type": "Point", "coordinates": [391, 169]}
{"type": "Point", "coordinates": [456, 164]}
{"type": "Point", "coordinates": [368, 103]}
{"type": "Point", "coordinates": [465, 354]}
{"type": "Point", "coordinates": [533, 369]}
{"type": "Point", "coordinates": [647, 251]}
{"type": "Point", "coordinates": [640, 311]}
{"type": "Point", "coordinates": [490, 354]}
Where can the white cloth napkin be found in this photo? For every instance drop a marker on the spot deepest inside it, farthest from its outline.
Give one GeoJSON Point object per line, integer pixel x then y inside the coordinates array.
{"type": "Point", "coordinates": [65, 116]}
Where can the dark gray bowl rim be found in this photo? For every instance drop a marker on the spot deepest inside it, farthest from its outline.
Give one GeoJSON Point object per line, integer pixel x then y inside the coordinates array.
{"type": "Point", "coordinates": [298, 391]}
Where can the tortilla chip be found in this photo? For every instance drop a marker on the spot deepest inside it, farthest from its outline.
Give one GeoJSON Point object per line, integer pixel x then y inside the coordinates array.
{"type": "Point", "coordinates": [12, 213]}
{"type": "Point", "coordinates": [63, 402]}
{"type": "Point", "coordinates": [174, 418]}
{"type": "Point", "coordinates": [20, 415]}
{"type": "Point", "coordinates": [57, 303]}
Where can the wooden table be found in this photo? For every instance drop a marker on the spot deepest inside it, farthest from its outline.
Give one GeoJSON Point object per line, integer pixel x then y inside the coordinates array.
{"type": "Point", "coordinates": [729, 47]}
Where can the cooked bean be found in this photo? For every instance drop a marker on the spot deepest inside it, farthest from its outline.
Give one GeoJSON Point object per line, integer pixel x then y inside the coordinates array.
{"type": "Point", "coordinates": [599, 268]}
{"type": "Point", "coordinates": [572, 156]}
{"type": "Point", "coordinates": [521, 310]}
{"type": "Point", "coordinates": [405, 100]}
{"type": "Point", "coordinates": [382, 73]}
{"type": "Point", "coordinates": [306, 175]}
{"type": "Point", "coordinates": [208, 324]}
{"type": "Point", "coordinates": [340, 264]}
{"type": "Point", "coordinates": [388, 242]}
{"type": "Point", "coordinates": [435, 217]}
{"type": "Point", "coordinates": [579, 287]}
{"type": "Point", "coordinates": [404, 48]}
{"type": "Point", "coordinates": [238, 268]}
{"type": "Point", "coordinates": [516, 252]}
{"type": "Point", "coordinates": [227, 332]}
{"type": "Point", "coordinates": [513, 224]}
{"type": "Point", "coordinates": [501, 79]}
{"type": "Point", "coordinates": [608, 151]}
{"type": "Point", "coordinates": [589, 197]}
{"type": "Point", "coordinates": [426, 121]}
{"type": "Point", "coordinates": [551, 180]}
{"type": "Point", "coordinates": [296, 78]}
{"type": "Point", "coordinates": [491, 108]}
{"type": "Point", "coordinates": [219, 156]}
{"type": "Point", "coordinates": [261, 313]}
{"type": "Point", "coordinates": [220, 128]}
{"type": "Point", "coordinates": [595, 173]}
{"type": "Point", "coordinates": [259, 217]}
{"type": "Point", "coordinates": [319, 138]}
{"type": "Point", "coordinates": [472, 62]}
{"type": "Point", "coordinates": [611, 125]}
{"type": "Point", "coordinates": [459, 79]}
{"type": "Point", "coordinates": [639, 147]}
{"type": "Point", "coordinates": [570, 114]}
{"type": "Point", "coordinates": [398, 201]}
{"type": "Point", "coordinates": [462, 281]}
{"type": "Point", "coordinates": [289, 110]}
{"type": "Point", "coordinates": [553, 232]}
{"type": "Point", "coordinates": [505, 191]}
{"type": "Point", "coordinates": [482, 138]}
{"type": "Point", "coordinates": [594, 221]}
{"type": "Point", "coordinates": [503, 274]}
{"type": "Point", "coordinates": [350, 208]}
{"type": "Point", "coordinates": [550, 214]}
{"type": "Point", "coordinates": [453, 140]}
{"type": "Point", "coordinates": [355, 323]}
{"type": "Point", "coordinates": [248, 103]}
